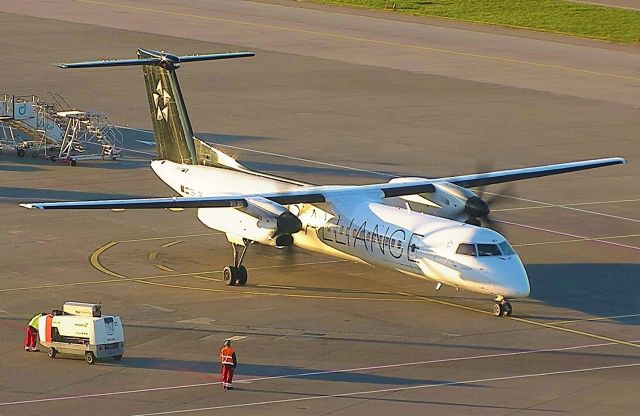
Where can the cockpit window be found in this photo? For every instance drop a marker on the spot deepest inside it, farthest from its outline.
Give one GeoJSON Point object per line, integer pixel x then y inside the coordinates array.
{"type": "Point", "coordinates": [489, 250]}
{"type": "Point", "coordinates": [506, 249]}
{"type": "Point", "coordinates": [467, 249]}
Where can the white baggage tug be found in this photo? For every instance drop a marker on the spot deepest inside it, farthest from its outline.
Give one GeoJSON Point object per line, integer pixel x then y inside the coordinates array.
{"type": "Point", "coordinates": [81, 329]}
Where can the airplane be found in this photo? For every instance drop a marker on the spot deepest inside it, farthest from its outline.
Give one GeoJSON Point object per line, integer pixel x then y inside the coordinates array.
{"type": "Point", "coordinates": [427, 228]}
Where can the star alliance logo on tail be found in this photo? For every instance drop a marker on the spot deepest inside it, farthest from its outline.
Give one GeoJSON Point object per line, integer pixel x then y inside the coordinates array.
{"type": "Point", "coordinates": [162, 109]}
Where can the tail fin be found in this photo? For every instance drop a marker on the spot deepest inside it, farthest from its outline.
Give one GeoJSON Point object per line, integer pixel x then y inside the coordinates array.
{"type": "Point", "coordinates": [171, 126]}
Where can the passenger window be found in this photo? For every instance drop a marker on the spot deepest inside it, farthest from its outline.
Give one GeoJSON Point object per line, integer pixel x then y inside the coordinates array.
{"type": "Point", "coordinates": [466, 249]}
{"type": "Point", "coordinates": [488, 250]}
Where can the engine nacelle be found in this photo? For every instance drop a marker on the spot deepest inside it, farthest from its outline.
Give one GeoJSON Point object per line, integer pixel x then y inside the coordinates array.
{"type": "Point", "coordinates": [262, 220]}
{"type": "Point", "coordinates": [448, 201]}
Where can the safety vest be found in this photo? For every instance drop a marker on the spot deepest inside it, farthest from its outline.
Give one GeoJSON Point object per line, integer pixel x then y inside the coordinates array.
{"type": "Point", "coordinates": [34, 321]}
{"type": "Point", "coordinates": [226, 355]}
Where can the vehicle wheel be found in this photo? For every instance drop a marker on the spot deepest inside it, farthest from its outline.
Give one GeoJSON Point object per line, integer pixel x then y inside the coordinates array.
{"type": "Point", "coordinates": [52, 352]}
{"type": "Point", "coordinates": [508, 310]}
{"type": "Point", "coordinates": [34, 154]}
{"type": "Point", "coordinates": [242, 276]}
{"type": "Point", "coordinates": [117, 357]}
{"type": "Point", "coordinates": [229, 275]}
{"type": "Point", "coordinates": [497, 310]}
{"type": "Point", "coordinates": [54, 158]}
{"type": "Point", "coordinates": [73, 162]}
{"type": "Point", "coordinates": [90, 358]}
{"type": "Point", "coordinates": [21, 152]}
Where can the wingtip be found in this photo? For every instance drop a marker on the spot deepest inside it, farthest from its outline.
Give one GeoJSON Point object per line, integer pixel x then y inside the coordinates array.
{"type": "Point", "coordinates": [28, 206]}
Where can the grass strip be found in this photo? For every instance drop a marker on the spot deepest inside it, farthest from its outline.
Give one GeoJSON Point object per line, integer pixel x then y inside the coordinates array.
{"type": "Point", "coordinates": [557, 16]}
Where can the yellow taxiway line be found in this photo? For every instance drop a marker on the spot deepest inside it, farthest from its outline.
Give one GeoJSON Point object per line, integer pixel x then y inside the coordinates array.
{"type": "Point", "coordinates": [361, 39]}
{"type": "Point", "coordinates": [526, 321]}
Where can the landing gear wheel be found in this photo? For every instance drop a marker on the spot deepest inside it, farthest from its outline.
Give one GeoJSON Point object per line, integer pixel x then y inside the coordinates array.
{"type": "Point", "coordinates": [502, 308]}
{"type": "Point", "coordinates": [242, 276]}
{"type": "Point", "coordinates": [236, 274]}
{"type": "Point", "coordinates": [90, 358]}
{"type": "Point", "coordinates": [230, 275]}
{"type": "Point", "coordinates": [52, 352]}
{"type": "Point", "coordinates": [508, 310]}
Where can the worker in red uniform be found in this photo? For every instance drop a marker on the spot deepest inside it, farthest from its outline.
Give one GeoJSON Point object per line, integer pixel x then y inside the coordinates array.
{"type": "Point", "coordinates": [228, 363]}
{"type": "Point", "coordinates": [31, 337]}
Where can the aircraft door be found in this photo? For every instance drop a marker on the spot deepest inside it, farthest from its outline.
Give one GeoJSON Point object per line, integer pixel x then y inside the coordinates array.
{"type": "Point", "coordinates": [415, 247]}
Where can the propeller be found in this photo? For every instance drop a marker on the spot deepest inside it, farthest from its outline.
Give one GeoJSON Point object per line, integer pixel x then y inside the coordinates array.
{"type": "Point", "coordinates": [478, 206]}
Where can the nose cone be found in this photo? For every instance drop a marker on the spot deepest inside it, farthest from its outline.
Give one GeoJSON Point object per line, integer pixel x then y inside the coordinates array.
{"type": "Point", "coordinates": [513, 279]}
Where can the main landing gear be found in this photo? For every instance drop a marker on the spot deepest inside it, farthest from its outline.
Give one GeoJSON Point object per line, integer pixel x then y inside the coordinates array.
{"type": "Point", "coordinates": [236, 274]}
{"type": "Point", "coordinates": [502, 307]}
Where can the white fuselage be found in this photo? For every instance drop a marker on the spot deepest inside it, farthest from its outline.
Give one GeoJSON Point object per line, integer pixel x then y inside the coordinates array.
{"type": "Point", "coordinates": [360, 227]}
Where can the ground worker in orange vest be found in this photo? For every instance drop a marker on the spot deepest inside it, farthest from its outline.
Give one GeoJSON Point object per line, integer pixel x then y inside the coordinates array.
{"type": "Point", "coordinates": [31, 337]}
{"type": "Point", "coordinates": [228, 362]}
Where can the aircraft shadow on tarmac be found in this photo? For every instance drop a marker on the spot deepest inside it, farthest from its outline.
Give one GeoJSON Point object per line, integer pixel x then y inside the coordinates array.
{"type": "Point", "coordinates": [597, 289]}
{"type": "Point", "coordinates": [250, 370]}
{"type": "Point", "coordinates": [386, 398]}
{"type": "Point", "coordinates": [145, 143]}
{"type": "Point", "coordinates": [14, 195]}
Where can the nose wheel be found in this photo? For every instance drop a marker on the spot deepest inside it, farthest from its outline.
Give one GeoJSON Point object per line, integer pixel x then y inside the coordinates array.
{"type": "Point", "coordinates": [502, 308]}
{"type": "Point", "coordinates": [236, 275]}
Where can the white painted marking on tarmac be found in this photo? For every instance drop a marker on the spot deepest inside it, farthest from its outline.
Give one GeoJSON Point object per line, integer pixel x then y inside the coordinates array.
{"type": "Point", "coordinates": [314, 373]}
{"type": "Point", "coordinates": [3, 311]}
{"type": "Point", "coordinates": [569, 234]}
{"type": "Point", "coordinates": [198, 321]}
{"type": "Point", "coordinates": [148, 143]}
{"type": "Point", "coordinates": [576, 204]}
{"type": "Point", "coordinates": [236, 338]}
{"type": "Point", "coordinates": [392, 390]}
{"type": "Point", "coordinates": [160, 308]}
{"type": "Point", "coordinates": [576, 240]}
{"type": "Point", "coordinates": [568, 206]}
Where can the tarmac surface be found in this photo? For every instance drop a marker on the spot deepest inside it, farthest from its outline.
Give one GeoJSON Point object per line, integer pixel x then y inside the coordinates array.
{"type": "Point", "coordinates": [330, 97]}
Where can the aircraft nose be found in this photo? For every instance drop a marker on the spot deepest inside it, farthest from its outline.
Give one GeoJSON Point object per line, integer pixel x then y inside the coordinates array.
{"type": "Point", "coordinates": [515, 281]}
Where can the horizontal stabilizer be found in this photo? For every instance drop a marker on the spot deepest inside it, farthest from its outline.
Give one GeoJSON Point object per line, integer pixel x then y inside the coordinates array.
{"type": "Point", "coordinates": [156, 58]}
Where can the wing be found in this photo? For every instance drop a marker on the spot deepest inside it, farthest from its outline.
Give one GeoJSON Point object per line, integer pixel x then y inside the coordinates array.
{"type": "Point", "coordinates": [490, 178]}
{"type": "Point", "coordinates": [319, 194]}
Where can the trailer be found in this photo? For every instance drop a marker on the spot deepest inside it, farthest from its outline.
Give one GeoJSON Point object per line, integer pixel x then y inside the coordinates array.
{"type": "Point", "coordinates": [81, 329]}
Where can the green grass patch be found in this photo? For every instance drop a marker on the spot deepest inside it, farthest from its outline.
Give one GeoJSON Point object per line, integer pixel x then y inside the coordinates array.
{"type": "Point", "coordinates": [558, 16]}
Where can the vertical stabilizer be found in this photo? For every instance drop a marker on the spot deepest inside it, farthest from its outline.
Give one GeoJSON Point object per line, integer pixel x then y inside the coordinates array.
{"type": "Point", "coordinates": [171, 126]}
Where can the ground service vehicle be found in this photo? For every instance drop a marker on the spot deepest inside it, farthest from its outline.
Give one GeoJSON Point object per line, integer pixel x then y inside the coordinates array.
{"type": "Point", "coordinates": [76, 330]}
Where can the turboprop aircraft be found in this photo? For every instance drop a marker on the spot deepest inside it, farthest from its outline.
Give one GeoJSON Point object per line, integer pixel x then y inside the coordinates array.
{"type": "Point", "coordinates": [428, 228]}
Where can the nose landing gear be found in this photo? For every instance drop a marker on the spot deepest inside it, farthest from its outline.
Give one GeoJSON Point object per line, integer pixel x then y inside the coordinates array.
{"type": "Point", "coordinates": [502, 307]}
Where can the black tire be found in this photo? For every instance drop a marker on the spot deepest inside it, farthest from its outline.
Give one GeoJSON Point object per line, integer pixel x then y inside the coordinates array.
{"type": "Point", "coordinates": [229, 275]}
{"type": "Point", "coordinates": [508, 310]}
{"type": "Point", "coordinates": [73, 162]}
{"type": "Point", "coordinates": [242, 276]}
{"type": "Point", "coordinates": [21, 152]}
{"type": "Point", "coordinates": [34, 154]}
{"type": "Point", "coordinates": [497, 309]}
{"type": "Point", "coordinates": [90, 358]}
{"type": "Point", "coordinates": [54, 159]}
{"type": "Point", "coordinates": [52, 352]}
{"type": "Point", "coordinates": [117, 357]}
